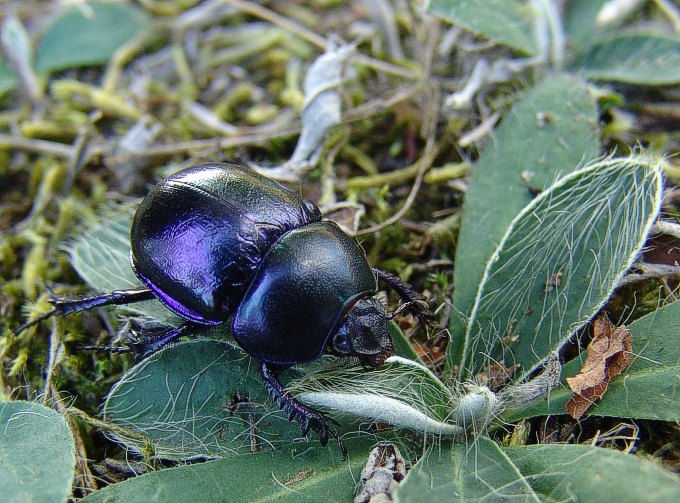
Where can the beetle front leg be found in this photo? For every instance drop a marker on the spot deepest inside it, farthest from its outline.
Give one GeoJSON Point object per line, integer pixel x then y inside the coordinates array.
{"type": "Point", "coordinates": [309, 419]}
{"type": "Point", "coordinates": [414, 302]}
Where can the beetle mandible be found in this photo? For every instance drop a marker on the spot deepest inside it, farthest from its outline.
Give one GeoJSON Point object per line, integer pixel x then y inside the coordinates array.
{"type": "Point", "coordinates": [219, 241]}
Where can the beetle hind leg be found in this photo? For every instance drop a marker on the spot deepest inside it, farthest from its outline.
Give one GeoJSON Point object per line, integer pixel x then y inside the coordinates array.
{"type": "Point", "coordinates": [307, 418]}
{"type": "Point", "coordinates": [64, 306]}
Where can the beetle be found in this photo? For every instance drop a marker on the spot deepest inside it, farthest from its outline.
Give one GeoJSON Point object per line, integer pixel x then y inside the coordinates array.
{"type": "Point", "coordinates": [219, 241]}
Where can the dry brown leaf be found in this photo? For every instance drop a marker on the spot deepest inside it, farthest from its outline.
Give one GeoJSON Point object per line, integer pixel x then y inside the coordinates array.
{"type": "Point", "coordinates": [609, 353]}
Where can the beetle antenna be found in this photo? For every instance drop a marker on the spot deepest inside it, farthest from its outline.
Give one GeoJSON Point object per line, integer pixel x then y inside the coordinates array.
{"type": "Point", "coordinates": [40, 318]}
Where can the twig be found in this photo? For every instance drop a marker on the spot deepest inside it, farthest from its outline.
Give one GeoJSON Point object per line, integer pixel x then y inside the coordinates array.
{"type": "Point", "coordinates": [245, 136]}
{"type": "Point", "coordinates": [435, 175]}
{"type": "Point", "coordinates": [278, 20]}
{"type": "Point", "coordinates": [424, 164]}
{"type": "Point", "coordinates": [650, 271]}
{"type": "Point", "coordinates": [80, 154]}
{"type": "Point", "coordinates": [666, 227]}
{"type": "Point", "coordinates": [328, 178]}
{"type": "Point", "coordinates": [87, 481]}
{"type": "Point", "coordinates": [480, 131]}
{"type": "Point", "coordinates": [378, 104]}
{"type": "Point", "coordinates": [31, 145]}
{"type": "Point", "coordinates": [122, 57]}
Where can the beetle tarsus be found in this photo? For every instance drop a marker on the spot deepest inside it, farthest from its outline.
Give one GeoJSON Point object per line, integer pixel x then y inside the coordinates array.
{"type": "Point", "coordinates": [307, 418]}
{"type": "Point", "coordinates": [107, 349]}
{"type": "Point", "coordinates": [341, 444]}
{"type": "Point", "coordinates": [31, 323]}
{"type": "Point", "coordinates": [414, 302]}
{"type": "Point", "coordinates": [146, 342]}
{"type": "Point", "coordinates": [319, 423]}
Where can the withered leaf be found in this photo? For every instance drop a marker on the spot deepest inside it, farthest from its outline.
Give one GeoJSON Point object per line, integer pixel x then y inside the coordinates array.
{"type": "Point", "coordinates": [609, 353]}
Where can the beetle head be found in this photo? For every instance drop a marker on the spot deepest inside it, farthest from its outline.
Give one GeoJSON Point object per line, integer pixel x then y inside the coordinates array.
{"type": "Point", "coordinates": [363, 335]}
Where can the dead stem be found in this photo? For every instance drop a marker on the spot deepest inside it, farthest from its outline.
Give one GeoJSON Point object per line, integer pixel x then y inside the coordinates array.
{"type": "Point", "coordinates": [447, 172]}
{"type": "Point", "coordinates": [87, 481]}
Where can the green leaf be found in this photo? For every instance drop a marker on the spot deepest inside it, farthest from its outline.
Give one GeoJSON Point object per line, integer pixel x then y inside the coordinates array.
{"type": "Point", "coordinates": [461, 472]}
{"type": "Point", "coordinates": [298, 472]}
{"type": "Point", "coordinates": [402, 346]}
{"type": "Point", "coordinates": [180, 401]}
{"type": "Point", "coordinates": [545, 135]}
{"type": "Point", "coordinates": [561, 259]}
{"type": "Point", "coordinates": [593, 474]}
{"type": "Point", "coordinates": [506, 22]}
{"type": "Point", "coordinates": [88, 35]}
{"type": "Point", "coordinates": [648, 389]}
{"type": "Point", "coordinates": [647, 59]}
{"type": "Point", "coordinates": [37, 457]}
{"type": "Point", "coordinates": [101, 256]}
{"type": "Point", "coordinates": [580, 23]}
{"type": "Point", "coordinates": [16, 42]}
{"type": "Point", "coordinates": [8, 79]}
{"type": "Point", "coordinates": [402, 392]}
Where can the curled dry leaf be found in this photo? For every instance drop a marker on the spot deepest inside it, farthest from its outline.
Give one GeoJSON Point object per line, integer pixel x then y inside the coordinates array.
{"type": "Point", "coordinates": [320, 111]}
{"type": "Point", "coordinates": [609, 353]}
{"type": "Point", "coordinates": [347, 215]}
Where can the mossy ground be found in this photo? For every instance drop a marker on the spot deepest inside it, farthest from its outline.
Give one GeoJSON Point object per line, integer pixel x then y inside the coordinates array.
{"type": "Point", "coordinates": [62, 165]}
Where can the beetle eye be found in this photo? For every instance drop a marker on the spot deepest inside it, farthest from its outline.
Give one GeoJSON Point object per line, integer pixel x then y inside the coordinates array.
{"type": "Point", "coordinates": [341, 343]}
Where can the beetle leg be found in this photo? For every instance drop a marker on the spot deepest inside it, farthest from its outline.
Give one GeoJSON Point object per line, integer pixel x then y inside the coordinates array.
{"type": "Point", "coordinates": [415, 303]}
{"type": "Point", "coordinates": [147, 342]}
{"type": "Point", "coordinates": [67, 305]}
{"type": "Point", "coordinates": [308, 419]}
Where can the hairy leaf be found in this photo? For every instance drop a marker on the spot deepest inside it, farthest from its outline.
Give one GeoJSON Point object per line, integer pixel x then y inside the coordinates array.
{"type": "Point", "coordinates": [200, 398]}
{"type": "Point", "coordinates": [37, 456]}
{"type": "Point", "coordinates": [402, 392]}
{"type": "Point", "coordinates": [633, 58]}
{"type": "Point", "coordinates": [298, 472]}
{"type": "Point", "coordinates": [503, 21]}
{"type": "Point", "coordinates": [584, 473]}
{"type": "Point", "coordinates": [88, 35]}
{"type": "Point", "coordinates": [561, 259]}
{"type": "Point", "coordinates": [458, 472]}
{"type": "Point", "coordinates": [549, 133]}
